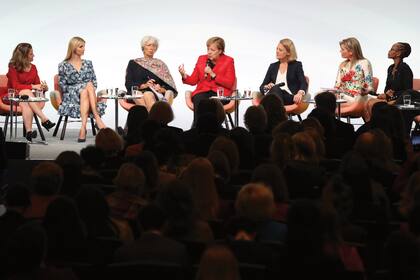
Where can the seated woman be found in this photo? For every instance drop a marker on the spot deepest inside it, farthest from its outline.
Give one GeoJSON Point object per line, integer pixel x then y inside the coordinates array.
{"type": "Point", "coordinates": [212, 71]}
{"type": "Point", "coordinates": [354, 78]}
{"type": "Point", "coordinates": [23, 78]}
{"type": "Point", "coordinates": [77, 81]}
{"type": "Point", "coordinates": [399, 75]}
{"type": "Point", "coordinates": [150, 75]}
{"type": "Point", "coordinates": [287, 71]}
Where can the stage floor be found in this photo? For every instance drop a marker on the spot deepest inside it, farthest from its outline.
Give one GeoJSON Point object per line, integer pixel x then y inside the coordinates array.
{"type": "Point", "coordinates": [53, 146]}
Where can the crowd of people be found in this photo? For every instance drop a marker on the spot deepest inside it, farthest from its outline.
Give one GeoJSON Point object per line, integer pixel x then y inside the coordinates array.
{"type": "Point", "coordinates": [296, 199]}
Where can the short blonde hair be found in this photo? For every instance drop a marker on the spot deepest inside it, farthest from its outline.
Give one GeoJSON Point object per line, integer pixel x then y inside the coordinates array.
{"type": "Point", "coordinates": [290, 48]}
{"type": "Point", "coordinates": [255, 201]}
{"type": "Point", "coordinates": [219, 42]}
{"type": "Point", "coordinates": [352, 44]}
{"type": "Point", "coordinates": [74, 43]}
{"type": "Point", "coordinates": [147, 39]}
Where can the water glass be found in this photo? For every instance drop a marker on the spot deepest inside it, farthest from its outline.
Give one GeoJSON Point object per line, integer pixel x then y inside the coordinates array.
{"type": "Point", "coordinates": [38, 93]}
{"type": "Point", "coordinates": [110, 92]}
{"type": "Point", "coordinates": [11, 93]}
{"type": "Point", "coordinates": [247, 92]}
{"type": "Point", "coordinates": [134, 90]}
{"type": "Point", "coordinates": [407, 100]}
{"type": "Point", "coordinates": [220, 92]}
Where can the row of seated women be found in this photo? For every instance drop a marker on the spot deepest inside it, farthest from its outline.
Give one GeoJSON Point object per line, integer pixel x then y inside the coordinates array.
{"type": "Point", "coordinates": [212, 71]}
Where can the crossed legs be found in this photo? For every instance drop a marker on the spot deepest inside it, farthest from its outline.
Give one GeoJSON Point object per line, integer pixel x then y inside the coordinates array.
{"type": "Point", "coordinates": [88, 104]}
{"type": "Point", "coordinates": [29, 109]}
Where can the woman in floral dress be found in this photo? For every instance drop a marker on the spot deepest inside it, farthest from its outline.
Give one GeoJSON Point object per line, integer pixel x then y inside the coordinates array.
{"type": "Point", "coordinates": [77, 80]}
{"type": "Point", "coordinates": [354, 78]}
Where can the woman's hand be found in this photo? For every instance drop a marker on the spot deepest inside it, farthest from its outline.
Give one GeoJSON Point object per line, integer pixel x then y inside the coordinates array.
{"type": "Point", "coordinates": [44, 86]}
{"type": "Point", "coordinates": [209, 71]}
{"type": "Point", "coordinates": [150, 83]}
{"type": "Point", "coordinates": [158, 88]}
{"type": "Point", "coordinates": [298, 97]}
{"type": "Point", "coordinates": [182, 71]}
{"type": "Point", "coordinates": [37, 87]}
{"type": "Point", "coordinates": [268, 86]}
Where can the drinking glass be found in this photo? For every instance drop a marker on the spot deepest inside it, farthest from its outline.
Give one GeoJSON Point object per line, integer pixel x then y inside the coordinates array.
{"type": "Point", "coordinates": [11, 93]}
{"type": "Point", "coordinates": [247, 92]}
{"type": "Point", "coordinates": [38, 93]}
{"type": "Point", "coordinates": [220, 92]}
{"type": "Point", "coordinates": [407, 100]}
{"type": "Point", "coordinates": [134, 90]}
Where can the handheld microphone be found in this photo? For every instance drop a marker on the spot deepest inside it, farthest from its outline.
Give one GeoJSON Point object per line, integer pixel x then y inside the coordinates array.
{"type": "Point", "coordinates": [282, 84]}
{"type": "Point", "coordinates": [210, 64]}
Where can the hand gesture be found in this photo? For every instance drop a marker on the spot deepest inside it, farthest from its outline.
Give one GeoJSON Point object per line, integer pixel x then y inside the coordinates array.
{"type": "Point", "coordinates": [182, 71]}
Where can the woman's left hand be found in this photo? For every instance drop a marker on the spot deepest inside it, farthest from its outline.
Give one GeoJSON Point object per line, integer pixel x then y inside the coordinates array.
{"type": "Point", "coordinates": [158, 88]}
{"type": "Point", "coordinates": [298, 97]}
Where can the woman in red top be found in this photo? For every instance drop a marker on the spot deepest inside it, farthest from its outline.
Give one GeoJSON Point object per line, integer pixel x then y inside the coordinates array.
{"type": "Point", "coordinates": [212, 71]}
{"type": "Point", "coordinates": [23, 78]}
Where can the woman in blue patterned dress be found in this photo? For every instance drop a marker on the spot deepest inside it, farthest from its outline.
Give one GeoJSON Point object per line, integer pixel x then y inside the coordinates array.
{"type": "Point", "coordinates": [77, 80]}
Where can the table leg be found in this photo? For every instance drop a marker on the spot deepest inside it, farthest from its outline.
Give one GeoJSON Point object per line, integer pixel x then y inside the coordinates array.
{"type": "Point", "coordinates": [339, 110]}
{"type": "Point", "coordinates": [11, 119]}
{"type": "Point", "coordinates": [236, 113]}
{"type": "Point", "coordinates": [16, 109]}
{"type": "Point", "coordinates": [116, 115]}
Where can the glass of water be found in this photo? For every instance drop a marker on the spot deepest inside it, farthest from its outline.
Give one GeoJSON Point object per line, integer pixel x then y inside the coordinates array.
{"type": "Point", "coordinates": [11, 92]}
{"type": "Point", "coordinates": [220, 92]}
{"type": "Point", "coordinates": [134, 90]}
{"type": "Point", "coordinates": [247, 92]}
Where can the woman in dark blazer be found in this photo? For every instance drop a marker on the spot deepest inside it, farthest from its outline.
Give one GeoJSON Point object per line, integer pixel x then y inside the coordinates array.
{"type": "Point", "coordinates": [288, 71]}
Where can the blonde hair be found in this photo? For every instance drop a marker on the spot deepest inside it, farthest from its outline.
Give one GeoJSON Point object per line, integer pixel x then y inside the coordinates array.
{"type": "Point", "coordinates": [147, 39]}
{"type": "Point", "coordinates": [255, 201]}
{"type": "Point", "coordinates": [19, 58]}
{"type": "Point", "coordinates": [352, 44]}
{"type": "Point", "coordinates": [219, 42]}
{"type": "Point", "coordinates": [74, 43]}
{"type": "Point", "coordinates": [290, 48]}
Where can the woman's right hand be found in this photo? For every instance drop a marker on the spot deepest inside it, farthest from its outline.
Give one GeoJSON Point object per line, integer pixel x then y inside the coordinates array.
{"type": "Point", "coordinates": [182, 71]}
{"type": "Point", "coordinates": [268, 86]}
{"type": "Point", "coordinates": [37, 87]}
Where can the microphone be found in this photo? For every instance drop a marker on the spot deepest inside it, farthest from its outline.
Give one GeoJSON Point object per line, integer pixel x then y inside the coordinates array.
{"type": "Point", "coordinates": [282, 84]}
{"type": "Point", "coordinates": [210, 64]}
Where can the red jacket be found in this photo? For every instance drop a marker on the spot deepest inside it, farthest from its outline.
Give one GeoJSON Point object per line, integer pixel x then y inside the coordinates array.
{"type": "Point", "coordinates": [22, 80]}
{"type": "Point", "coordinates": [225, 76]}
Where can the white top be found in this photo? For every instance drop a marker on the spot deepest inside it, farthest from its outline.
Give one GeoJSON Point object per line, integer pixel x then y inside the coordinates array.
{"type": "Point", "coordinates": [282, 78]}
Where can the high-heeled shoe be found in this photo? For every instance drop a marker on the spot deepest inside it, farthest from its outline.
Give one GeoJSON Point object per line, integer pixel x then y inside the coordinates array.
{"type": "Point", "coordinates": [31, 135]}
{"type": "Point", "coordinates": [82, 140]}
{"type": "Point", "coordinates": [48, 125]}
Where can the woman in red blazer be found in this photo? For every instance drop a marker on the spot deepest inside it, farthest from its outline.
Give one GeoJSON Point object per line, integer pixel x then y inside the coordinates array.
{"type": "Point", "coordinates": [23, 78]}
{"type": "Point", "coordinates": [212, 71]}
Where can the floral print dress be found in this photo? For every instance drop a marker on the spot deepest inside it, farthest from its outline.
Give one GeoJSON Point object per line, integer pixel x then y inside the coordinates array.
{"type": "Point", "coordinates": [353, 78]}
{"type": "Point", "coordinates": [72, 82]}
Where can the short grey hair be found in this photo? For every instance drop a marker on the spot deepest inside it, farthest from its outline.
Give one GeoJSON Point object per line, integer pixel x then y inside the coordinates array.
{"type": "Point", "coordinates": [148, 39]}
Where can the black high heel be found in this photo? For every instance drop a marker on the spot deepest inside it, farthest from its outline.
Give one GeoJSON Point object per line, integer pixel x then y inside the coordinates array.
{"type": "Point", "coordinates": [31, 135]}
{"type": "Point", "coordinates": [48, 125]}
{"type": "Point", "coordinates": [82, 140]}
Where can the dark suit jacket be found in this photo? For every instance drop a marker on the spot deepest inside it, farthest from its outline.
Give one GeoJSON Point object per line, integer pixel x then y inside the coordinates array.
{"type": "Point", "coordinates": [152, 247]}
{"type": "Point", "coordinates": [295, 77]}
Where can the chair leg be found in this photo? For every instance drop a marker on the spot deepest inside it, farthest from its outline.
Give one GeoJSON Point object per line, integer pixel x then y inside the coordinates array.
{"type": "Point", "coordinates": [348, 119]}
{"type": "Point", "coordinates": [63, 131]}
{"type": "Point", "coordinates": [57, 126]}
{"type": "Point", "coordinates": [93, 127]}
{"type": "Point", "coordinates": [41, 133]}
{"type": "Point", "coordinates": [230, 120]}
{"type": "Point", "coordinates": [24, 131]}
{"type": "Point", "coordinates": [6, 123]}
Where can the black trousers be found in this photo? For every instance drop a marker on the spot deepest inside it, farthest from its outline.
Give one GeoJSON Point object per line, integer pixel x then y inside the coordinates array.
{"type": "Point", "coordinates": [284, 95]}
